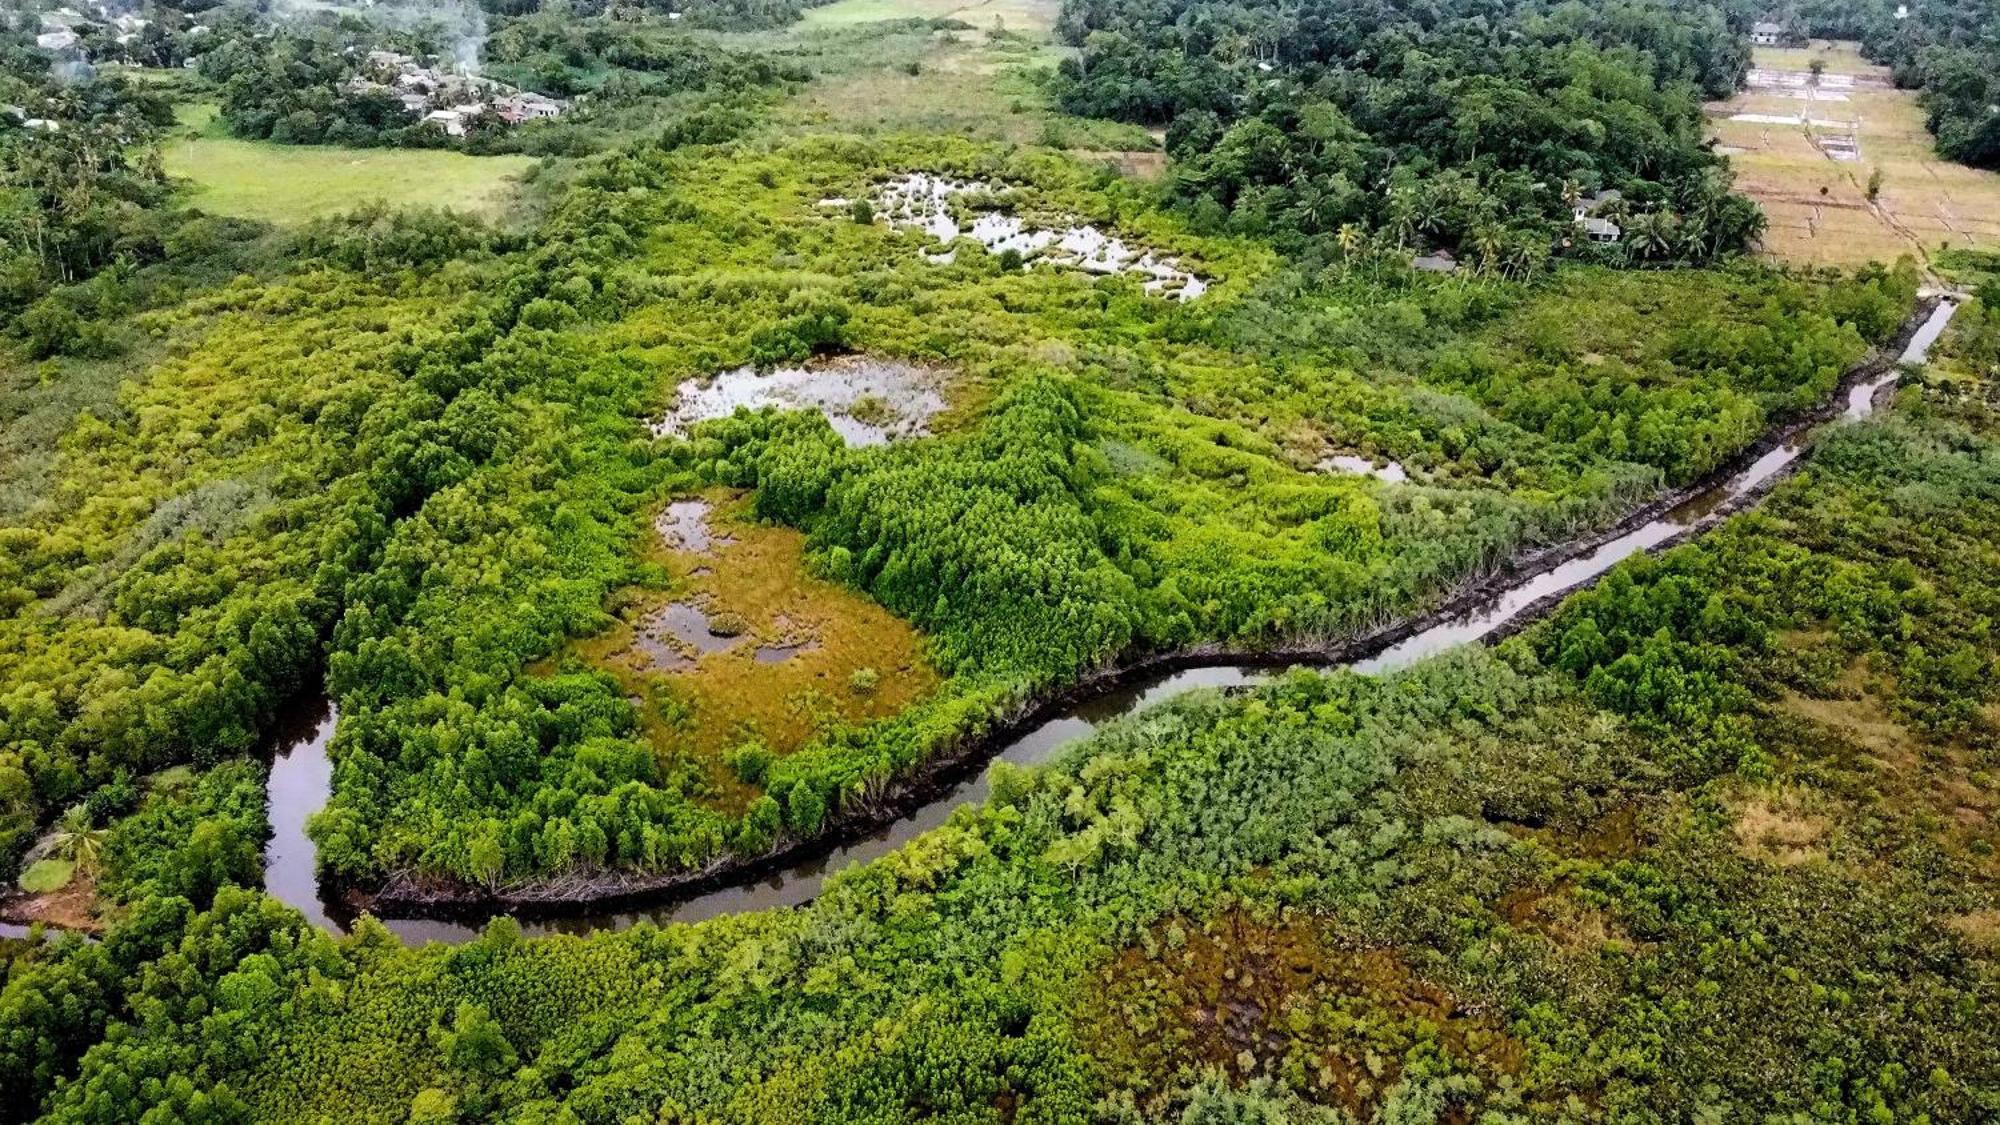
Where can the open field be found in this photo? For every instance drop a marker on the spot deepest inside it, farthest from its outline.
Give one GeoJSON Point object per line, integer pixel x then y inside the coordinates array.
{"type": "Point", "coordinates": [1013, 15]}
{"type": "Point", "coordinates": [295, 183]}
{"type": "Point", "coordinates": [979, 80]}
{"type": "Point", "coordinates": [1806, 151]}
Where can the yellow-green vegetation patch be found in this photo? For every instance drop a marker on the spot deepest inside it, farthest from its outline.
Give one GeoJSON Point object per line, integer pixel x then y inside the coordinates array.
{"type": "Point", "coordinates": [47, 875]}
{"type": "Point", "coordinates": [1858, 709]}
{"type": "Point", "coordinates": [1781, 827]}
{"type": "Point", "coordinates": [295, 183]}
{"type": "Point", "coordinates": [747, 653]}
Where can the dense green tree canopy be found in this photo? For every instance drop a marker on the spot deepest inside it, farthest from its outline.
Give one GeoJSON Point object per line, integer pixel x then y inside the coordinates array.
{"type": "Point", "coordinates": [1473, 126]}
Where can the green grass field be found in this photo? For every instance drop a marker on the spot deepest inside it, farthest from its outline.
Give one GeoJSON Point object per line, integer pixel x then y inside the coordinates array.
{"type": "Point", "coordinates": [1015, 15]}
{"type": "Point", "coordinates": [294, 183]}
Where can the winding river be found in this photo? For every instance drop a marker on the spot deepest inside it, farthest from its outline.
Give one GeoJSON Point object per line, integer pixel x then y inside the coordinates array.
{"type": "Point", "coordinates": [301, 773]}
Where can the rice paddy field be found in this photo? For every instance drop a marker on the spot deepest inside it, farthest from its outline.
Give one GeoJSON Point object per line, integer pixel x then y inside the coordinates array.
{"type": "Point", "coordinates": [1806, 148]}
{"type": "Point", "coordinates": [287, 184]}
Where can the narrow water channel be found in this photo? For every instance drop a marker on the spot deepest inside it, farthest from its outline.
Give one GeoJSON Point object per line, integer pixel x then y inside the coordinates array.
{"type": "Point", "coordinates": [301, 778]}
{"type": "Point", "coordinates": [301, 774]}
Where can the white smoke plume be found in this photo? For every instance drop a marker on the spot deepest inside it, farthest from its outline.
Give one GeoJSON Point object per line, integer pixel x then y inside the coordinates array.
{"type": "Point", "coordinates": [460, 25]}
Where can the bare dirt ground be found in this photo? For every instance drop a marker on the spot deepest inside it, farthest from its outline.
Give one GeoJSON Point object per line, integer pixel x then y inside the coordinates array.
{"type": "Point", "coordinates": [1805, 148]}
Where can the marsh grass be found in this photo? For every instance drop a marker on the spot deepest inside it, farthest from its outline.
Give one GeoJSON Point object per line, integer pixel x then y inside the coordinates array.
{"type": "Point", "coordinates": [756, 584]}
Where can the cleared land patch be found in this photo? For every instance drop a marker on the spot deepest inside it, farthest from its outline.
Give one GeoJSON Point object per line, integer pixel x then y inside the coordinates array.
{"type": "Point", "coordinates": [968, 69]}
{"type": "Point", "coordinates": [1805, 147]}
{"type": "Point", "coordinates": [1777, 828]}
{"type": "Point", "coordinates": [295, 183]}
{"type": "Point", "coordinates": [1013, 15]}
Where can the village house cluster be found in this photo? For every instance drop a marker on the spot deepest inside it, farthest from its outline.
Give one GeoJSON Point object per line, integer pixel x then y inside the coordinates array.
{"type": "Point", "coordinates": [448, 100]}
{"type": "Point", "coordinates": [61, 29]}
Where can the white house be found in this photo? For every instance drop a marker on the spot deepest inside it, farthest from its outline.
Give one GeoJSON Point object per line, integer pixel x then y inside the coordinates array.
{"type": "Point", "coordinates": [61, 39]}
{"type": "Point", "coordinates": [456, 120]}
{"type": "Point", "coordinates": [1440, 262]}
{"type": "Point", "coordinates": [1768, 34]}
{"type": "Point", "coordinates": [1600, 230]}
{"type": "Point", "coordinates": [525, 106]}
{"type": "Point", "coordinates": [1596, 227]}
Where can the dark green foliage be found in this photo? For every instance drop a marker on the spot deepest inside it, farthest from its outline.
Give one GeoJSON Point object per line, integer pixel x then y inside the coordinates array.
{"type": "Point", "coordinates": [1678, 643]}
{"type": "Point", "coordinates": [453, 487]}
{"type": "Point", "coordinates": [972, 971]}
{"type": "Point", "coordinates": [374, 239]}
{"type": "Point", "coordinates": [990, 546]}
{"type": "Point", "coordinates": [77, 195]}
{"type": "Point", "coordinates": [189, 837]}
{"type": "Point", "coordinates": [1394, 126]}
{"type": "Point", "coordinates": [417, 462]}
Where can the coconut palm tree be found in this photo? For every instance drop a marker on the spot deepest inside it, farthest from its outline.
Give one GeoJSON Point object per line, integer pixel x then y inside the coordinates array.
{"type": "Point", "coordinates": [1650, 234]}
{"type": "Point", "coordinates": [1349, 239]}
{"type": "Point", "coordinates": [76, 839]}
{"type": "Point", "coordinates": [1489, 242]}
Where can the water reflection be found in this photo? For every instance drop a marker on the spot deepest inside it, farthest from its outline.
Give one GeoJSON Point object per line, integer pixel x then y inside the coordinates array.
{"type": "Point", "coordinates": [867, 401]}
{"type": "Point", "coordinates": [301, 778]}
{"type": "Point", "coordinates": [683, 526]}
{"type": "Point", "coordinates": [921, 201]}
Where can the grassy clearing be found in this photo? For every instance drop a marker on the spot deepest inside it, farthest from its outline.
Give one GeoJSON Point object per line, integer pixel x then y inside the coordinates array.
{"type": "Point", "coordinates": [879, 71]}
{"type": "Point", "coordinates": [295, 183]}
{"type": "Point", "coordinates": [968, 84]}
{"type": "Point", "coordinates": [1819, 208]}
{"type": "Point", "coordinates": [847, 13]}
{"type": "Point", "coordinates": [1013, 15]}
{"type": "Point", "coordinates": [56, 892]}
{"type": "Point", "coordinates": [850, 661]}
{"type": "Point", "coordinates": [47, 875]}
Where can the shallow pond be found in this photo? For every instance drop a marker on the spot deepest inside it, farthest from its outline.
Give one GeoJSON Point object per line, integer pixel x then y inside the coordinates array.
{"type": "Point", "coordinates": [921, 201]}
{"type": "Point", "coordinates": [1390, 471]}
{"type": "Point", "coordinates": [683, 526]}
{"type": "Point", "coordinates": [678, 633]}
{"type": "Point", "coordinates": [866, 401]}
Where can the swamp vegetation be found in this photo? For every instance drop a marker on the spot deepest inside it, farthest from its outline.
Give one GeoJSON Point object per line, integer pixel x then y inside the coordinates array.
{"type": "Point", "coordinates": [1713, 840]}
